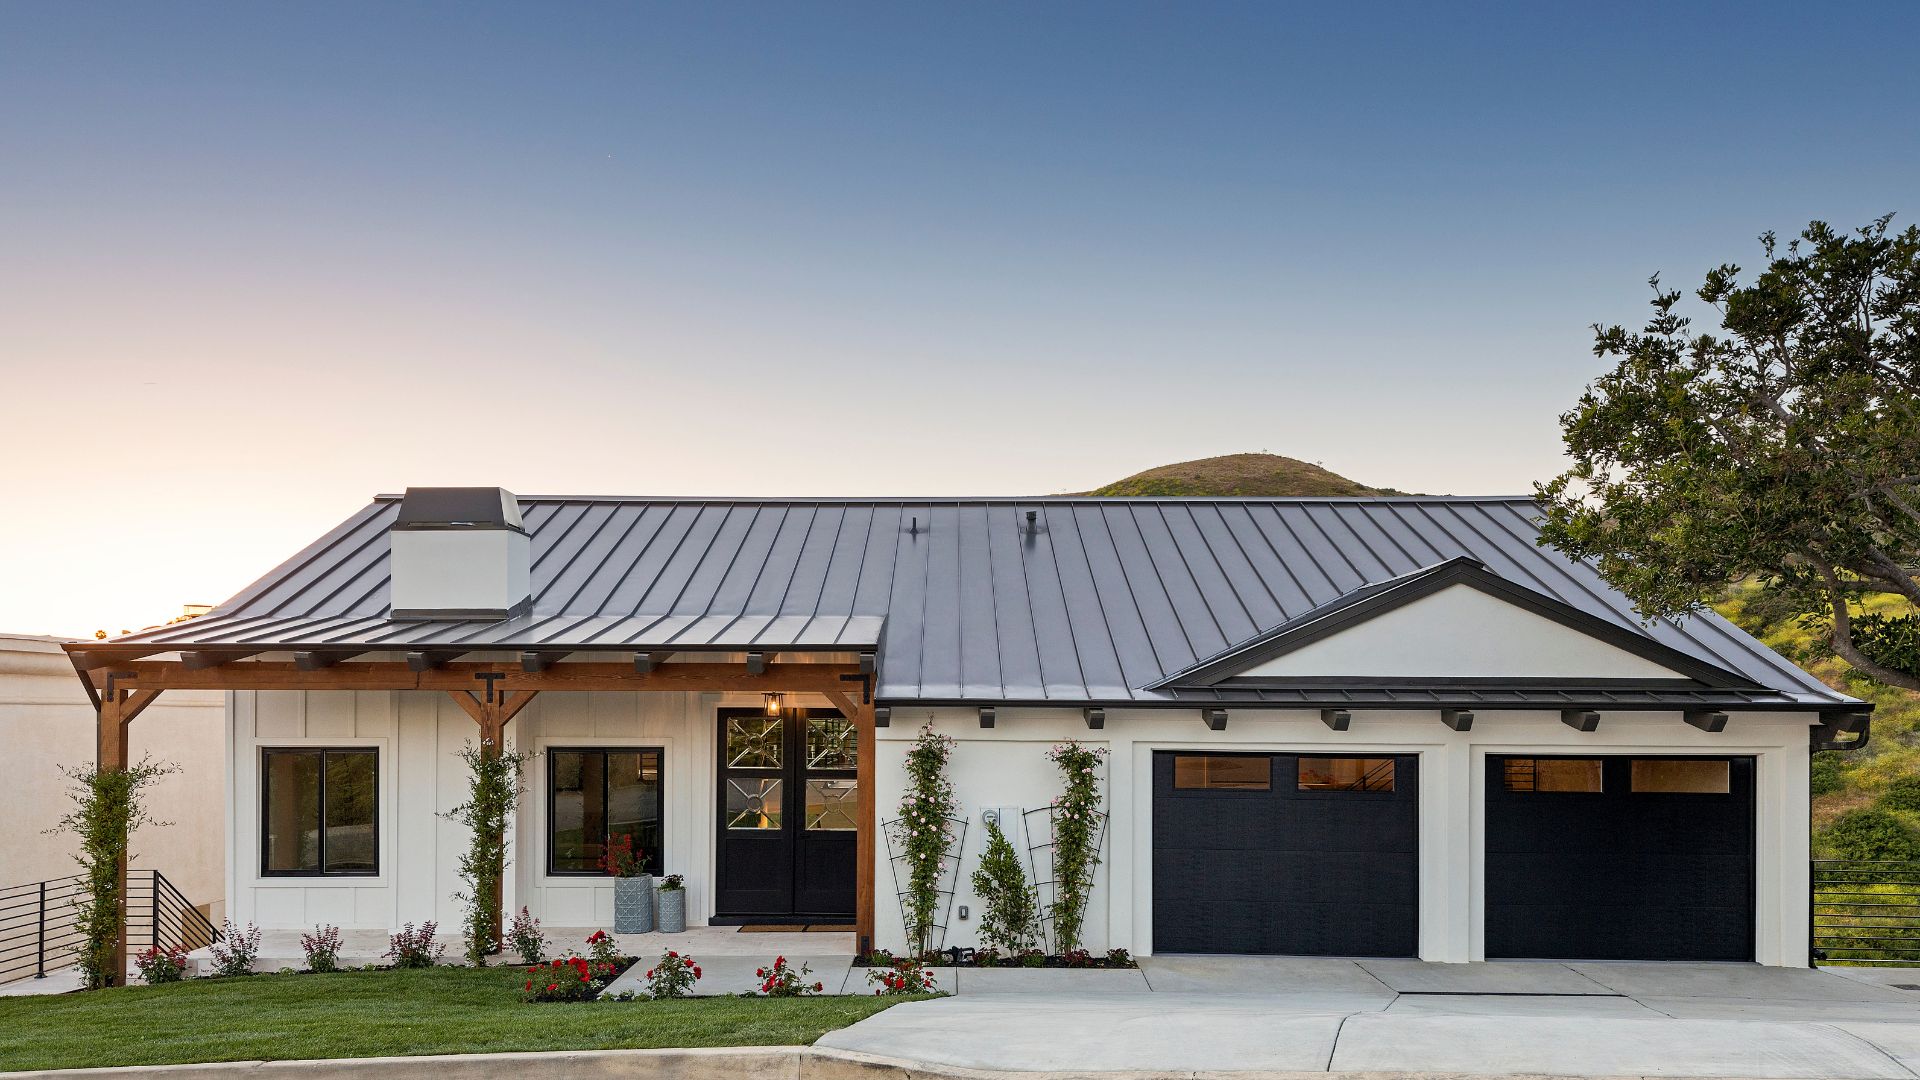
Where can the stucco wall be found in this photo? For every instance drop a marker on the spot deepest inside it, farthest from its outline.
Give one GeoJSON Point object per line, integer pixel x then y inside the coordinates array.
{"type": "Point", "coordinates": [46, 722]}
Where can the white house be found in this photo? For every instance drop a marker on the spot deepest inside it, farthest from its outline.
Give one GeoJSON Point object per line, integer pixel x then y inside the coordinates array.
{"type": "Point", "coordinates": [1385, 727]}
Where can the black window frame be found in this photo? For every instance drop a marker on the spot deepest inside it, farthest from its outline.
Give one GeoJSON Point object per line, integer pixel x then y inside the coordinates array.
{"type": "Point", "coordinates": [658, 858]}
{"type": "Point", "coordinates": [266, 782]}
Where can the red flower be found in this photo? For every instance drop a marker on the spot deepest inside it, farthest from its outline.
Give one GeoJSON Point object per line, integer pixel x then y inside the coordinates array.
{"type": "Point", "coordinates": [817, 987]}
{"type": "Point", "coordinates": [696, 971]}
{"type": "Point", "coordinates": [551, 987]}
{"type": "Point", "coordinates": [529, 984]}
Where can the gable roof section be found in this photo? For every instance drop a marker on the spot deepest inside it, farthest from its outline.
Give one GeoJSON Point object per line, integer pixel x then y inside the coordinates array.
{"type": "Point", "coordinates": [1093, 601]}
{"type": "Point", "coordinates": [1375, 599]}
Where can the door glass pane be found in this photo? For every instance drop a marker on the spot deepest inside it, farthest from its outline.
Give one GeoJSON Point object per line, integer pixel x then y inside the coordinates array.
{"type": "Point", "coordinates": [350, 796]}
{"type": "Point", "coordinates": [1697, 777]}
{"type": "Point", "coordinates": [1346, 774]}
{"type": "Point", "coordinates": [579, 811]}
{"type": "Point", "coordinates": [832, 743]}
{"type": "Point", "coordinates": [754, 742]}
{"type": "Point", "coordinates": [633, 782]}
{"type": "Point", "coordinates": [1211, 772]}
{"type": "Point", "coordinates": [1552, 774]}
{"type": "Point", "coordinates": [833, 805]}
{"type": "Point", "coordinates": [292, 811]}
{"type": "Point", "coordinates": [753, 803]}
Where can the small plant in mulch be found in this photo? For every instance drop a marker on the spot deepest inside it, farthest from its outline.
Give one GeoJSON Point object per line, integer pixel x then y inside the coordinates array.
{"type": "Point", "coordinates": [781, 980]}
{"type": "Point", "coordinates": [570, 978]}
{"type": "Point", "coordinates": [159, 965]}
{"type": "Point", "coordinates": [601, 946]}
{"type": "Point", "coordinates": [236, 950]}
{"type": "Point", "coordinates": [525, 937]}
{"type": "Point", "coordinates": [672, 976]}
{"type": "Point", "coordinates": [411, 948]}
{"type": "Point", "coordinates": [905, 976]}
{"type": "Point", "coordinates": [322, 948]}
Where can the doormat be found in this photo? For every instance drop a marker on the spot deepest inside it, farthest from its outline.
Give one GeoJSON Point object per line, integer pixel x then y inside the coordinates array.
{"type": "Point", "coordinates": [796, 928]}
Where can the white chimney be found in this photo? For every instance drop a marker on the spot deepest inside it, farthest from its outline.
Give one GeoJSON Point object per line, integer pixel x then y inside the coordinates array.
{"type": "Point", "coordinates": [459, 553]}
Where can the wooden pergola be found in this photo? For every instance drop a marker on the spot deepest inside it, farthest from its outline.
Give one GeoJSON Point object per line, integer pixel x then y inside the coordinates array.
{"type": "Point", "coordinates": [124, 680]}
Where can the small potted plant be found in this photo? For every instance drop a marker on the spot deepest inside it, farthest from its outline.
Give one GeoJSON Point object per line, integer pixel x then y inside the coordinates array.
{"type": "Point", "coordinates": [632, 886]}
{"type": "Point", "coordinates": [670, 905]}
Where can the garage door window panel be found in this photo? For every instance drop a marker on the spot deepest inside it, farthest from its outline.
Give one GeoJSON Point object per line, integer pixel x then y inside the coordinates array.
{"type": "Point", "coordinates": [1567, 776]}
{"type": "Point", "coordinates": [1222, 772]}
{"type": "Point", "coordinates": [1346, 774]}
{"type": "Point", "coordinates": [1681, 776]}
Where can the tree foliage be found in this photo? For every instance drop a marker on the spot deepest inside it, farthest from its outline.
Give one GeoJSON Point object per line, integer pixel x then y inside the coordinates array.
{"type": "Point", "coordinates": [1872, 834]}
{"type": "Point", "coordinates": [1785, 446]}
{"type": "Point", "coordinates": [1009, 907]}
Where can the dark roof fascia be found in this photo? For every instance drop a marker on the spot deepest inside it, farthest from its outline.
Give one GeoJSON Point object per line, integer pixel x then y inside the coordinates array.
{"type": "Point", "coordinates": [134, 650]}
{"type": "Point", "coordinates": [998, 500]}
{"type": "Point", "coordinates": [1370, 601]}
{"type": "Point", "coordinates": [1331, 701]}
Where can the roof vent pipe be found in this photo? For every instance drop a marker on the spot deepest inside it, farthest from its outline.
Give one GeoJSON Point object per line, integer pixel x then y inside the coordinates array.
{"type": "Point", "coordinates": [459, 553]}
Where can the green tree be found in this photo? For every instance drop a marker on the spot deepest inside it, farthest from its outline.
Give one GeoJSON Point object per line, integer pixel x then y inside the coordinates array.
{"type": "Point", "coordinates": [1785, 447]}
{"type": "Point", "coordinates": [1872, 834]}
{"type": "Point", "coordinates": [1009, 907]}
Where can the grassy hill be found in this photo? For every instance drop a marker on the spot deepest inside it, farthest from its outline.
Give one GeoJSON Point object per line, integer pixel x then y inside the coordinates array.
{"type": "Point", "coordinates": [1875, 787]}
{"type": "Point", "coordinates": [1241, 476]}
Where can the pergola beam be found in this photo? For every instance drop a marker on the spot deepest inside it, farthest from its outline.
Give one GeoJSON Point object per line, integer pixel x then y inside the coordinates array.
{"type": "Point", "coordinates": [365, 675]}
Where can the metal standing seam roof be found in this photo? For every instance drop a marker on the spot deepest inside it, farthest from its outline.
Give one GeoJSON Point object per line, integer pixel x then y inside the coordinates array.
{"type": "Point", "coordinates": [1092, 601]}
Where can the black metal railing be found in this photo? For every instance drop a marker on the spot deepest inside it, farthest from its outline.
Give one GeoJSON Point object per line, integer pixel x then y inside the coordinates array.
{"type": "Point", "coordinates": [1866, 912]}
{"type": "Point", "coordinates": [40, 931]}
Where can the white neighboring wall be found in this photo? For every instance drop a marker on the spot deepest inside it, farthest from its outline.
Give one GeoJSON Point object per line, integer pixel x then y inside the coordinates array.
{"type": "Point", "coordinates": [47, 722]}
{"type": "Point", "coordinates": [1006, 767]}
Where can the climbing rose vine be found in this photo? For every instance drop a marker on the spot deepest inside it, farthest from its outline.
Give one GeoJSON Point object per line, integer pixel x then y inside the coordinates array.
{"type": "Point", "coordinates": [925, 829]}
{"type": "Point", "coordinates": [1076, 838]}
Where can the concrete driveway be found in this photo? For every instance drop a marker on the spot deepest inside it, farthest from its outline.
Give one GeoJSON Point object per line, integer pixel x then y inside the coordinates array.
{"type": "Point", "coordinates": [1288, 1014]}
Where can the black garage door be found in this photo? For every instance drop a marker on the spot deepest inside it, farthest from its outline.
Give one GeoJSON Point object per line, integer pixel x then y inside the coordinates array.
{"type": "Point", "coordinates": [1290, 854]}
{"type": "Point", "coordinates": [1620, 858]}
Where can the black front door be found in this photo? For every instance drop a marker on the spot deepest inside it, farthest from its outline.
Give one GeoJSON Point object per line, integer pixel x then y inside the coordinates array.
{"type": "Point", "coordinates": [788, 816]}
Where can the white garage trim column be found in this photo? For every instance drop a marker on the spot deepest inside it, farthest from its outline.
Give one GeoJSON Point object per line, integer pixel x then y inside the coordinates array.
{"type": "Point", "coordinates": [1449, 834]}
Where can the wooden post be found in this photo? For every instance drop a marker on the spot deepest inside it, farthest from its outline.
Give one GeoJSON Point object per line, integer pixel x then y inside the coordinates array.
{"type": "Point", "coordinates": [492, 713]}
{"type": "Point", "coordinates": [117, 710]}
{"type": "Point", "coordinates": [866, 839]}
{"type": "Point", "coordinates": [112, 757]}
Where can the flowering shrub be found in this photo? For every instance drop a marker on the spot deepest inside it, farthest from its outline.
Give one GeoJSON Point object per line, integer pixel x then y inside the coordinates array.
{"type": "Point", "coordinates": [236, 950]}
{"type": "Point", "coordinates": [526, 938]}
{"type": "Point", "coordinates": [781, 980]}
{"type": "Point", "coordinates": [322, 948]}
{"type": "Point", "coordinates": [672, 976]}
{"type": "Point", "coordinates": [924, 830]}
{"type": "Point", "coordinates": [600, 946]}
{"type": "Point", "coordinates": [1076, 838]}
{"type": "Point", "coordinates": [412, 948]}
{"type": "Point", "coordinates": [570, 978]}
{"type": "Point", "coordinates": [623, 859]}
{"type": "Point", "coordinates": [159, 965]}
{"type": "Point", "coordinates": [904, 977]}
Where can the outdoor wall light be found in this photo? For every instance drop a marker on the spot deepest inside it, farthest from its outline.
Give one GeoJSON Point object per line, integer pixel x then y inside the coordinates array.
{"type": "Point", "coordinates": [773, 704]}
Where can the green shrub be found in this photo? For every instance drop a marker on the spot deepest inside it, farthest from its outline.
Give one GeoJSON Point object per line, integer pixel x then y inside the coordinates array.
{"type": "Point", "coordinates": [1825, 778]}
{"type": "Point", "coordinates": [1872, 834]}
{"type": "Point", "coordinates": [1903, 793]}
{"type": "Point", "coordinates": [1009, 907]}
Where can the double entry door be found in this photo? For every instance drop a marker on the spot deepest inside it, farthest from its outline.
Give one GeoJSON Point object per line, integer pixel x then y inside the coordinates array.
{"type": "Point", "coordinates": [789, 818]}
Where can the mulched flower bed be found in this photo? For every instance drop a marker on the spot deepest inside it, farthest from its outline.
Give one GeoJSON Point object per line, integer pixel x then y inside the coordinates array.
{"type": "Point", "coordinates": [981, 958]}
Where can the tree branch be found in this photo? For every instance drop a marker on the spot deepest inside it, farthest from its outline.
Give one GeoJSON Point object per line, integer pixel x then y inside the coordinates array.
{"type": "Point", "coordinates": [1841, 635]}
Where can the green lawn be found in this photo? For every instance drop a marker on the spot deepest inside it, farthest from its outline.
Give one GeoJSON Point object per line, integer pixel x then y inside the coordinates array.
{"type": "Point", "coordinates": [379, 1013]}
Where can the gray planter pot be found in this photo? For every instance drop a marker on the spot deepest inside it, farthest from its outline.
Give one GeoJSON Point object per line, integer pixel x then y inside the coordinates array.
{"type": "Point", "coordinates": [670, 910]}
{"type": "Point", "coordinates": [633, 904]}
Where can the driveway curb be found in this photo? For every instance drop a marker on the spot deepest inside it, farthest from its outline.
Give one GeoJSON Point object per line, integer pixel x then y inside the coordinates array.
{"type": "Point", "coordinates": [717, 1063]}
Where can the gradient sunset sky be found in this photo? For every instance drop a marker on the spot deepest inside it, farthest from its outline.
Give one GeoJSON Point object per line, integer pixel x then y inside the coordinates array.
{"type": "Point", "coordinates": [259, 261]}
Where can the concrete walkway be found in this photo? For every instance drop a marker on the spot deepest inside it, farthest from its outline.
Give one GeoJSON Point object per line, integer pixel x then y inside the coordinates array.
{"type": "Point", "coordinates": [1317, 1015]}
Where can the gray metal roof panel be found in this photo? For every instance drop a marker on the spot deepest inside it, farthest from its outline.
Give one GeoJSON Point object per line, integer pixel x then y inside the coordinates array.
{"type": "Point", "coordinates": [1101, 598]}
